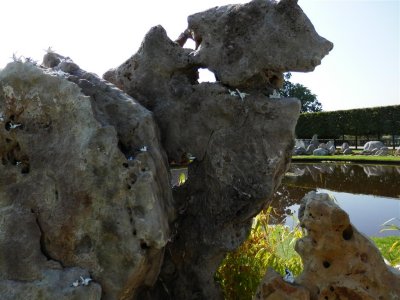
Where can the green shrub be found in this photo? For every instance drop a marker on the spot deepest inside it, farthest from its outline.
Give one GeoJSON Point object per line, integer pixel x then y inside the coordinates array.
{"type": "Point", "coordinates": [389, 246]}
{"type": "Point", "coordinates": [374, 121]}
{"type": "Point", "coordinates": [267, 246]}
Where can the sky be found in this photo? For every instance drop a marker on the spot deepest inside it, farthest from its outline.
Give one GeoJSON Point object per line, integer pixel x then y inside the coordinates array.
{"type": "Point", "coordinates": [363, 69]}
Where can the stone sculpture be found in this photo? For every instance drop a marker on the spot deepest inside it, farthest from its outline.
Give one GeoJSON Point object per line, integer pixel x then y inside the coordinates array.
{"type": "Point", "coordinates": [339, 262]}
{"type": "Point", "coordinates": [84, 177]}
{"type": "Point", "coordinates": [229, 181]}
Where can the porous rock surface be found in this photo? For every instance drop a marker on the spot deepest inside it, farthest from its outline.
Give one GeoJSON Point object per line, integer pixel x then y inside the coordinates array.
{"type": "Point", "coordinates": [84, 185]}
{"type": "Point", "coordinates": [241, 138]}
{"type": "Point", "coordinates": [273, 287]}
{"type": "Point", "coordinates": [254, 43]}
{"type": "Point", "coordinates": [77, 196]}
{"type": "Point", "coordinates": [339, 261]}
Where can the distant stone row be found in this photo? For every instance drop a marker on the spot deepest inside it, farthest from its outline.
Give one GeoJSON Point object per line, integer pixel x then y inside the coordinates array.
{"type": "Point", "coordinates": [314, 147]}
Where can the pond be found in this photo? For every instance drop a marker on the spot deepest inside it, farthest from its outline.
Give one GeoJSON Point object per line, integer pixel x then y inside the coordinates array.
{"type": "Point", "coordinates": [370, 194]}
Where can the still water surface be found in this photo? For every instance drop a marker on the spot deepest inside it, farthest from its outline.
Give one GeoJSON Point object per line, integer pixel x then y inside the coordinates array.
{"type": "Point", "coordinates": [370, 194]}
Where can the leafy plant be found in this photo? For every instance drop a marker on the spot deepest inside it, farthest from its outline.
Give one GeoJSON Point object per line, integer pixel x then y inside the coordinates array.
{"type": "Point", "coordinates": [181, 179]}
{"type": "Point", "coordinates": [267, 246]}
{"type": "Point", "coordinates": [390, 246]}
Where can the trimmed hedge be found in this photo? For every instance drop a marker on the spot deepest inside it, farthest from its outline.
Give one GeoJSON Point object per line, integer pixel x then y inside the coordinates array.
{"type": "Point", "coordinates": [374, 121]}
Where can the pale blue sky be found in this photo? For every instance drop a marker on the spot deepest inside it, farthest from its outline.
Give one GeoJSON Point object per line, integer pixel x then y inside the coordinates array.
{"type": "Point", "coordinates": [361, 71]}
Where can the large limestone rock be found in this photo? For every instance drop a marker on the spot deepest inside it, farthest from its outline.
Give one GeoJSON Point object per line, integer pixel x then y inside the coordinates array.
{"type": "Point", "coordinates": [77, 196]}
{"type": "Point", "coordinates": [254, 43]}
{"type": "Point", "coordinates": [236, 169]}
{"type": "Point", "coordinates": [84, 184]}
{"type": "Point", "coordinates": [339, 261]}
{"type": "Point", "coordinates": [242, 139]}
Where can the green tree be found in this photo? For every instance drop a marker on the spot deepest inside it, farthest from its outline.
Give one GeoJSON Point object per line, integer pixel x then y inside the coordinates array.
{"type": "Point", "coordinates": [309, 101]}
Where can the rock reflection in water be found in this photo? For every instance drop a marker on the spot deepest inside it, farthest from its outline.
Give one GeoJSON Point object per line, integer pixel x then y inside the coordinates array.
{"type": "Point", "coordinates": [376, 180]}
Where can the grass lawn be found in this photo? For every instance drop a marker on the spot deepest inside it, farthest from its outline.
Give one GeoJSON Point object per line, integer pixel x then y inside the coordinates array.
{"type": "Point", "coordinates": [390, 252]}
{"type": "Point", "coordinates": [355, 158]}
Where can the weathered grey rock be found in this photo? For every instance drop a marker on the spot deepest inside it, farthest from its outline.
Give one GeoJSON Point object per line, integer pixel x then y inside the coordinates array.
{"type": "Point", "coordinates": [384, 151]}
{"type": "Point", "coordinates": [84, 183]}
{"type": "Point", "coordinates": [340, 262]}
{"type": "Point", "coordinates": [77, 195]}
{"type": "Point", "coordinates": [321, 152]}
{"type": "Point", "coordinates": [330, 146]}
{"type": "Point", "coordinates": [344, 146]}
{"type": "Point", "coordinates": [299, 143]}
{"type": "Point", "coordinates": [314, 141]}
{"type": "Point", "coordinates": [332, 150]}
{"type": "Point", "coordinates": [55, 282]}
{"type": "Point", "coordinates": [397, 153]}
{"type": "Point", "coordinates": [373, 145]}
{"type": "Point", "coordinates": [310, 149]}
{"type": "Point", "coordinates": [299, 151]}
{"type": "Point", "coordinates": [322, 146]}
{"type": "Point", "coordinates": [252, 44]}
{"type": "Point", "coordinates": [274, 287]}
{"type": "Point", "coordinates": [347, 151]}
{"type": "Point", "coordinates": [236, 169]}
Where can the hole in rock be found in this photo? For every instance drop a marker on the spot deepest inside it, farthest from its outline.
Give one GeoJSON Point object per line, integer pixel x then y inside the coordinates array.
{"type": "Point", "coordinates": [124, 149]}
{"type": "Point", "coordinates": [144, 245]}
{"type": "Point", "coordinates": [326, 264]}
{"type": "Point", "coordinates": [364, 257]}
{"type": "Point", "coordinates": [191, 44]}
{"type": "Point", "coordinates": [84, 245]}
{"type": "Point", "coordinates": [205, 75]}
{"type": "Point", "coordinates": [25, 169]}
{"type": "Point", "coordinates": [348, 233]}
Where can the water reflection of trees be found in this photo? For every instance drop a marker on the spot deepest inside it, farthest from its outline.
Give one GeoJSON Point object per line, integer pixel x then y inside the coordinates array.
{"type": "Point", "coordinates": [378, 180]}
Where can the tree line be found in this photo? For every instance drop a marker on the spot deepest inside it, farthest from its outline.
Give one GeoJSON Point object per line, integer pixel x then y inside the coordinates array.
{"type": "Point", "coordinates": [371, 122]}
